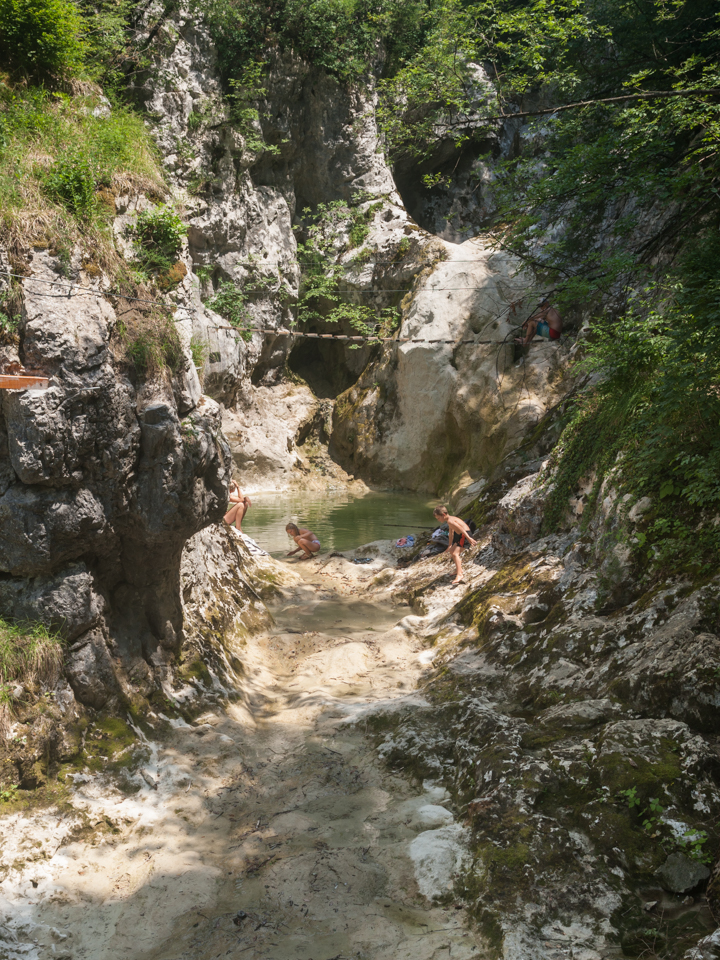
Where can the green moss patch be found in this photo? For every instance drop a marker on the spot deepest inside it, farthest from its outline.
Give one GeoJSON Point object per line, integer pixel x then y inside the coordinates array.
{"type": "Point", "coordinates": [107, 747]}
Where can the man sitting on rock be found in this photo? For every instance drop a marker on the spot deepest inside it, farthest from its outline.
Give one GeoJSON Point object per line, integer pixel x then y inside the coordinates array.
{"type": "Point", "coordinates": [545, 322]}
{"type": "Point", "coordinates": [239, 506]}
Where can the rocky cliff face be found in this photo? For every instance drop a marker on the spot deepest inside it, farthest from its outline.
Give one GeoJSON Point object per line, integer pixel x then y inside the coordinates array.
{"type": "Point", "coordinates": [428, 416]}
{"type": "Point", "coordinates": [104, 480]}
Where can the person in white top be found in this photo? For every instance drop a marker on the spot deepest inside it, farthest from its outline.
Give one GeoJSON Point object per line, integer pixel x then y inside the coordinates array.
{"type": "Point", "coordinates": [238, 506]}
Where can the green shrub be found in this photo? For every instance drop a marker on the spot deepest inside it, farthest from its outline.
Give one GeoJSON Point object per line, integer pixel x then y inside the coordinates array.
{"type": "Point", "coordinates": [358, 233]}
{"type": "Point", "coordinates": [72, 181]}
{"type": "Point", "coordinates": [321, 298]}
{"type": "Point", "coordinates": [151, 344]}
{"type": "Point", "coordinates": [159, 234]}
{"type": "Point", "coordinates": [245, 92]}
{"type": "Point", "coordinates": [107, 25]}
{"type": "Point", "coordinates": [40, 39]}
{"type": "Point", "coordinates": [10, 312]}
{"type": "Point", "coordinates": [199, 350]}
{"type": "Point", "coordinates": [230, 302]}
{"type": "Point", "coordinates": [654, 417]}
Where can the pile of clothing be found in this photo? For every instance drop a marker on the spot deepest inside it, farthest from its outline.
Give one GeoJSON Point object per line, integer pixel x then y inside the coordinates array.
{"type": "Point", "coordinates": [439, 540]}
{"type": "Point", "coordinates": [408, 541]}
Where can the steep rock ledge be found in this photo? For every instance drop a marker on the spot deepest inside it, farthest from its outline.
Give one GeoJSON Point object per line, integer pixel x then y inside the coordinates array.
{"type": "Point", "coordinates": [104, 480]}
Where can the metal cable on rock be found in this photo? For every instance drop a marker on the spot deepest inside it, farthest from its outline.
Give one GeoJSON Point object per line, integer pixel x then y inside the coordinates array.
{"type": "Point", "coordinates": [160, 303]}
{"type": "Point", "coordinates": [270, 330]}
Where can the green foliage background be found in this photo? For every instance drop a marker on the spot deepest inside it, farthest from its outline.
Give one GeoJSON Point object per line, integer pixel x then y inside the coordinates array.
{"type": "Point", "coordinates": [346, 38]}
{"type": "Point", "coordinates": [41, 39]}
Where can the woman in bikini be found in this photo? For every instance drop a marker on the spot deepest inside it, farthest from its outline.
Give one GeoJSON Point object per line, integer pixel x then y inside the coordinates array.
{"type": "Point", "coordinates": [459, 539]}
{"type": "Point", "coordinates": [239, 506]}
{"type": "Point", "coordinates": [305, 540]}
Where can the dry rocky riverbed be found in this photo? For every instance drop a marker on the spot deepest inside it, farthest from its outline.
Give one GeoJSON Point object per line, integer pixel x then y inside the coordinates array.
{"type": "Point", "coordinates": [267, 829]}
{"type": "Point", "coordinates": [305, 814]}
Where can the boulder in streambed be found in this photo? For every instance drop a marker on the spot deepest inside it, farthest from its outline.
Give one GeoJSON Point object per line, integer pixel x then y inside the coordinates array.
{"type": "Point", "coordinates": [438, 857]}
{"type": "Point", "coordinates": [680, 874]}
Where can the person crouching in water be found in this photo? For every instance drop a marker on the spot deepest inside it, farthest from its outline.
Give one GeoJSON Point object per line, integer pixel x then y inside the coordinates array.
{"type": "Point", "coordinates": [305, 540]}
{"type": "Point", "coordinates": [459, 534]}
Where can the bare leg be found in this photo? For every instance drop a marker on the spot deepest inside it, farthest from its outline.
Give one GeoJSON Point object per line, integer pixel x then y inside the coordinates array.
{"type": "Point", "coordinates": [232, 515]}
{"type": "Point", "coordinates": [309, 548]}
{"type": "Point", "coordinates": [531, 328]}
{"type": "Point", "coordinates": [455, 554]}
{"type": "Point", "coordinates": [245, 503]}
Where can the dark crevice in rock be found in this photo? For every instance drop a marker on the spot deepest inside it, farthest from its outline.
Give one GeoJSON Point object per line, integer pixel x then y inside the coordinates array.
{"type": "Point", "coordinates": [458, 205]}
{"type": "Point", "coordinates": [323, 366]}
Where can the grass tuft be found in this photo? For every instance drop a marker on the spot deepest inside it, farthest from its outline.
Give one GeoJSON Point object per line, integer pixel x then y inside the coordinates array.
{"type": "Point", "coordinates": [29, 654]}
{"type": "Point", "coordinates": [149, 342]}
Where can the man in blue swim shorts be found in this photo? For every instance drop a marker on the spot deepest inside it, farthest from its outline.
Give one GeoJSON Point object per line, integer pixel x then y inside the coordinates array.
{"type": "Point", "coordinates": [545, 322]}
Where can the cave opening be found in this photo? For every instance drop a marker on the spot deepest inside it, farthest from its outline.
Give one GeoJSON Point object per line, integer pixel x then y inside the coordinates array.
{"type": "Point", "coordinates": [449, 193]}
{"type": "Point", "coordinates": [323, 366]}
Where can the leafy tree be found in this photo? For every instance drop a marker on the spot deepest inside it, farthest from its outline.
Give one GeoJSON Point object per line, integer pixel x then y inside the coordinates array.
{"type": "Point", "coordinates": [631, 127]}
{"type": "Point", "coordinates": [344, 37]}
{"type": "Point", "coordinates": [41, 39]}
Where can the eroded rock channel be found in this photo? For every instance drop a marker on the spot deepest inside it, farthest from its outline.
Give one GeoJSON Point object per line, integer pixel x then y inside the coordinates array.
{"type": "Point", "coordinates": [270, 828]}
{"type": "Point", "coordinates": [205, 752]}
{"type": "Point", "coordinates": [372, 764]}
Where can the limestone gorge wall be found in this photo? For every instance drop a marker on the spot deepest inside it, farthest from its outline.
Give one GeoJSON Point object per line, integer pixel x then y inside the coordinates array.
{"type": "Point", "coordinates": [106, 476]}
{"type": "Point", "coordinates": [423, 416]}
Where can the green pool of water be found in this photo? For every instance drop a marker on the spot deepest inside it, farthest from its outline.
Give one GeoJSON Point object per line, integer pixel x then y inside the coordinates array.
{"type": "Point", "coordinates": [341, 520]}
